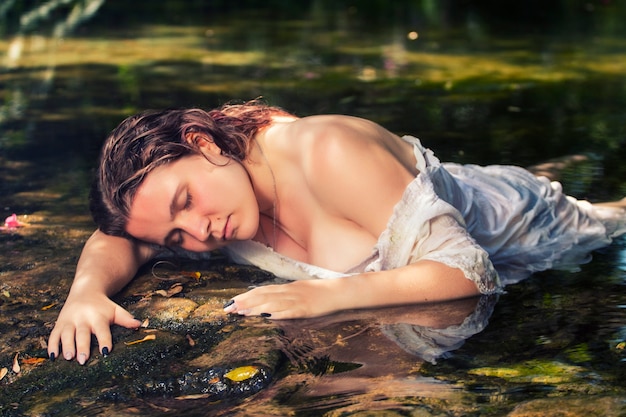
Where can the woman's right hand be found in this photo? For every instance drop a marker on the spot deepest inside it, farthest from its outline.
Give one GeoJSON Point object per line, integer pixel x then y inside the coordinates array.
{"type": "Point", "coordinates": [106, 265]}
{"type": "Point", "coordinates": [84, 315]}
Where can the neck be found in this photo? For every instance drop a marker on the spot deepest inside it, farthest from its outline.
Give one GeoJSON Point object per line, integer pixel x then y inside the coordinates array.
{"type": "Point", "coordinates": [264, 183]}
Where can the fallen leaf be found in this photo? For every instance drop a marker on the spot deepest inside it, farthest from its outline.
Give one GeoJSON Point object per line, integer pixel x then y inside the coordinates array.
{"type": "Point", "coordinates": [3, 373]}
{"type": "Point", "coordinates": [242, 373]}
{"type": "Point", "coordinates": [621, 346]}
{"type": "Point", "coordinates": [173, 290]}
{"type": "Point", "coordinates": [192, 274]}
{"type": "Point", "coordinates": [43, 343]}
{"type": "Point", "coordinates": [6, 294]}
{"type": "Point", "coordinates": [191, 341]}
{"type": "Point", "coordinates": [192, 397]}
{"type": "Point", "coordinates": [48, 307]}
{"type": "Point", "coordinates": [33, 361]}
{"type": "Point", "coordinates": [16, 364]}
{"type": "Point", "coordinates": [145, 323]}
{"type": "Point", "coordinates": [145, 339]}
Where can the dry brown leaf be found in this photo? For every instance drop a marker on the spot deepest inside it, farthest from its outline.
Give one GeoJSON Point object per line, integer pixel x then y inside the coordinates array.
{"type": "Point", "coordinates": [191, 341]}
{"type": "Point", "coordinates": [16, 364]}
{"type": "Point", "coordinates": [48, 307]}
{"type": "Point", "coordinates": [3, 373]}
{"type": "Point", "coordinates": [145, 323]}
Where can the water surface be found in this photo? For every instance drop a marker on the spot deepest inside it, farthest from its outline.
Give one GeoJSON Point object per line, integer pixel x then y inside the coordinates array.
{"type": "Point", "coordinates": [477, 83]}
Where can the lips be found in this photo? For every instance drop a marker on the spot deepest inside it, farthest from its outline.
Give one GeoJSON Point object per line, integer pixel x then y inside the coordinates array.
{"type": "Point", "coordinates": [227, 231]}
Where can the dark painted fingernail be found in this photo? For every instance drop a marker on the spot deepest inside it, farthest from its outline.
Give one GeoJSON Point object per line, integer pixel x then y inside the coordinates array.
{"type": "Point", "coordinates": [229, 303]}
{"type": "Point", "coordinates": [105, 351]}
{"type": "Point", "coordinates": [266, 315]}
{"type": "Point", "coordinates": [52, 356]}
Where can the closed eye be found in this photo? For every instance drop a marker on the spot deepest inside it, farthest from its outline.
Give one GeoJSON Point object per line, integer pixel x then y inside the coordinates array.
{"type": "Point", "coordinates": [187, 205]}
{"type": "Point", "coordinates": [174, 238]}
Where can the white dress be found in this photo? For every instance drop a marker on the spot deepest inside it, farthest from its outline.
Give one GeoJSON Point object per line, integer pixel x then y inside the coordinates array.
{"type": "Point", "coordinates": [498, 224]}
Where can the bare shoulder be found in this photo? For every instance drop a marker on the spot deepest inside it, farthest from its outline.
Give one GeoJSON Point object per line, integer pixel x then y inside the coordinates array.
{"type": "Point", "coordinates": [324, 139]}
{"type": "Point", "coordinates": [353, 167]}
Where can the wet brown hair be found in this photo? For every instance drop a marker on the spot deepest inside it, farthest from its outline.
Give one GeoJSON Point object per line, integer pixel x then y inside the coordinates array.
{"type": "Point", "coordinates": [151, 139]}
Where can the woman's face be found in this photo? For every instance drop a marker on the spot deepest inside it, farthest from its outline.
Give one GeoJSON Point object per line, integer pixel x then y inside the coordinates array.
{"type": "Point", "coordinates": [195, 204]}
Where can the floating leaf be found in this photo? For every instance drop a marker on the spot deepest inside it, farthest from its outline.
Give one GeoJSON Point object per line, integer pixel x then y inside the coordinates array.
{"type": "Point", "coordinates": [242, 373]}
{"type": "Point", "coordinates": [621, 346]}
{"type": "Point", "coordinates": [3, 373]}
{"type": "Point", "coordinates": [191, 341]}
{"type": "Point", "coordinates": [16, 364]}
{"type": "Point", "coordinates": [145, 339]}
{"type": "Point", "coordinates": [48, 307]}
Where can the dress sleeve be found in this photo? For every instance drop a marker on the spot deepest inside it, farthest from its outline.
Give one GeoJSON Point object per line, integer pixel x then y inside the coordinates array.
{"type": "Point", "coordinates": [424, 227]}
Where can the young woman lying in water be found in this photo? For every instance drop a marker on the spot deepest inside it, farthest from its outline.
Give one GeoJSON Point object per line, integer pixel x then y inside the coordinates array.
{"type": "Point", "coordinates": [328, 196]}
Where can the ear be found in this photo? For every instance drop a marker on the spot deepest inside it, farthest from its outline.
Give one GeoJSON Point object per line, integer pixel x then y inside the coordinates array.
{"type": "Point", "coordinates": [203, 142]}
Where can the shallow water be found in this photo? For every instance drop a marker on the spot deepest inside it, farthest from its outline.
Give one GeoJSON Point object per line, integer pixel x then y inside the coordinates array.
{"type": "Point", "coordinates": [476, 83]}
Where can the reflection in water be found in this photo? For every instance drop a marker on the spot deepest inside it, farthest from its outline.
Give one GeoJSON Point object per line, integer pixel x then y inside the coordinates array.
{"type": "Point", "coordinates": [364, 359]}
{"type": "Point", "coordinates": [28, 39]}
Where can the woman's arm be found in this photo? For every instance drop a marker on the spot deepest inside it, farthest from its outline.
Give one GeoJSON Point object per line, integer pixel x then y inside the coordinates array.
{"type": "Point", "coordinates": [420, 282]}
{"type": "Point", "coordinates": [106, 265]}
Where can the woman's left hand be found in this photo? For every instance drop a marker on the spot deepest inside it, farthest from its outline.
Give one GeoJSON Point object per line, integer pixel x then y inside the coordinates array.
{"type": "Point", "coordinates": [298, 299]}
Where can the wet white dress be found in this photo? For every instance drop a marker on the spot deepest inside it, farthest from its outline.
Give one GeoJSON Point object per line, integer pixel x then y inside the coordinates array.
{"type": "Point", "coordinates": [498, 224]}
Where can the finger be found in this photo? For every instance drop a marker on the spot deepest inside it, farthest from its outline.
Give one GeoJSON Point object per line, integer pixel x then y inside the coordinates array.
{"type": "Point", "coordinates": [53, 343]}
{"type": "Point", "coordinates": [68, 343]}
{"type": "Point", "coordinates": [125, 319]}
{"type": "Point", "coordinates": [105, 341]}
{"type": "Point", "coordinates": [83, 344]}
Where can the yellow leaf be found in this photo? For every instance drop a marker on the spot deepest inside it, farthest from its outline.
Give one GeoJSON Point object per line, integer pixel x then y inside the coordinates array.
{"type": "Point", "coordinates": [242, 373]}
{"type": "Point", "coordinates": [48, 307]}
{"type": "Point", "coordinates": [3, 373]}
{"type": "Point", "coordinates": [145, 339]}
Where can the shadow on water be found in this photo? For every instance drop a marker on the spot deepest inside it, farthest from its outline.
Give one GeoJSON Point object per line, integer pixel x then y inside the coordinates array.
{"type": "Point", "coordinates": [477, 83]}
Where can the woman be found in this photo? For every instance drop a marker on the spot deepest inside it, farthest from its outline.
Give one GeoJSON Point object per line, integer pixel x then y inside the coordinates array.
{"type": "Point", "coordinates": [322, 196]}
